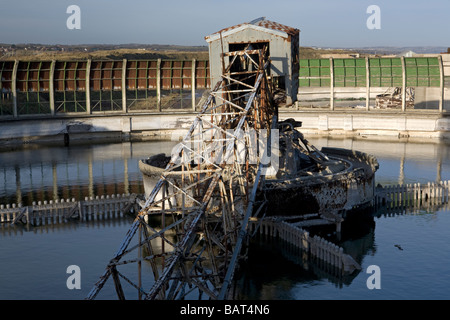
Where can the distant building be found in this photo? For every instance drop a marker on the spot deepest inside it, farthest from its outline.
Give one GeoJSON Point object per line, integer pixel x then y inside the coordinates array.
{"type": "Point", "coordinates": [407, 54]}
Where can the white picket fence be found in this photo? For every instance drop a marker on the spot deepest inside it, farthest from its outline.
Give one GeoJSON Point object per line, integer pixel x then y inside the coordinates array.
{"type": "Point", "coordinates": [59, 211]}
{"type": "Point", "coordinates": [411, 195]}
{"type": "Point", "coordinates": [316, 246]}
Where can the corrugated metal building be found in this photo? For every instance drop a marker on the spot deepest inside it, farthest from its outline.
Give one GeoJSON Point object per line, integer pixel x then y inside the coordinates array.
{"type": "Point", "coordinates": [283, 48]}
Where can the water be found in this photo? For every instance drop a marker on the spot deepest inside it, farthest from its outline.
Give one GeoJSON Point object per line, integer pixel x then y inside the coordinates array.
{"type": "Point", "coordinates": [33, 262]}
{"type": "Point", "coordinates": [51, 173]}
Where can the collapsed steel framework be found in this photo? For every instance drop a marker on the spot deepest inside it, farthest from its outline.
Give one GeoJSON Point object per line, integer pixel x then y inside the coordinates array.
{"type": "Point", "coordinates": [205, 197]}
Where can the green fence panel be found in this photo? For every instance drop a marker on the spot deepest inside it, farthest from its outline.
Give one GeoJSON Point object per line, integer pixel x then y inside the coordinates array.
{"type": "Point", "coordinates": [349, 72]}
{"type": "Point", "coordinates": [422, 72]}
{"type": "Point", "coordinates": [385, 72]}
{"type": "Point", "coordinates": [6, 100]}
{"type": "Point", "coordinates": [314, 73]}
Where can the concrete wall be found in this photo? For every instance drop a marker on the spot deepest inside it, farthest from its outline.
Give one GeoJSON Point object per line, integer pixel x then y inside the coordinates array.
{"type": "Point", "coordinates": [373, 124]}
{"type": "Point", "coordinates": [173, 126]}
{"type": "Point", "coordinates": [94, 128]}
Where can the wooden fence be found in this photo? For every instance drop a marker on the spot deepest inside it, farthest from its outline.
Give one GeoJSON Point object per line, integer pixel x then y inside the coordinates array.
{"type": "Point", "coordinates": [60, 211]}
{"type": "Point", "coordinates": [413, 195]}
{"type": "Point", "coordinates": [300, 239]}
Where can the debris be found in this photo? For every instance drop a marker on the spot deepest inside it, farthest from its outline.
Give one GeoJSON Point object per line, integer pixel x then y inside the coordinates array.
{"type": "Point", "coordinates": [392, 98]}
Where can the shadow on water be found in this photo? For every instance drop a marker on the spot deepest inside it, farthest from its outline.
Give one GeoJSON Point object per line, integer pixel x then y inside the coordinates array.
{"type": "Point", "coordinates": [274, 269]}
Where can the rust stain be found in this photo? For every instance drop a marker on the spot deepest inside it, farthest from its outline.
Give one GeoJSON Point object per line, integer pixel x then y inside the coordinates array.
{"type": "Point", "coordinates": [262, 22]}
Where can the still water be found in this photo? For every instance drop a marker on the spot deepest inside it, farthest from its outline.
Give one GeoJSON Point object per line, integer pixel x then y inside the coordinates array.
{"type": "Point", "coordinates": [412, 249]}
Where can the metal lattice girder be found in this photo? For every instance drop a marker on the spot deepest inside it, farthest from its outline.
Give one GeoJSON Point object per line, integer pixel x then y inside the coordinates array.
{"type": "Point", "coordinates": [202, 198]}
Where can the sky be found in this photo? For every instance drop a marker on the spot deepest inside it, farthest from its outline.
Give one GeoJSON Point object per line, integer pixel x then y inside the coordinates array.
{"type": "Point", "coordinates": [323, 23]}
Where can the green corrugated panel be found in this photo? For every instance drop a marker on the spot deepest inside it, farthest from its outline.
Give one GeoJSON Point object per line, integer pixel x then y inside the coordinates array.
{"type": "Point", "coordinates": [397, 71]}
{"type": "Point", "coordinates": [314, 83]}
{"type": "Point", "coordinates": [386, 62]}
{"type": "Point", "coordinates": [361, 63]}
{"type": "Point", "coordinates": [303, 83]}
{"type": "Point", "coordinates": [374, 62]}
{"type": "Point", "coordinates": [314, 72]}
{"type": "Point", "coordinates": [349, 72]}
{"type": "Point", "coordinates": [349, 62]}
{"type": "Point", "coordinates": [316, 68]}
{"type": "Point", "coordinates": [314, 63]}
{"type": "Point", "coordinates": [396, 62]}
{"type": "Point", "coordinates": [304, 63]}
{"type": "Point", "coordinates": [422, 72]}
{"type": "Point", "coordinates": [304, 72]}
{"type": "Point", "coordinates": [325, 82]}
{"type": "Point", "coordinates": [325, 62]}
{"type": "Point", "coordinates": [384, 72]}
{"type": "Point", "coordinates": [338, 62]}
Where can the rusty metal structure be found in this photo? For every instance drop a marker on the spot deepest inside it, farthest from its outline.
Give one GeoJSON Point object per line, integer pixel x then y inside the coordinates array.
{"type": "Point", "coordinates": [193, 227]}
{"type": "Point", "coordinates": [204, 198]}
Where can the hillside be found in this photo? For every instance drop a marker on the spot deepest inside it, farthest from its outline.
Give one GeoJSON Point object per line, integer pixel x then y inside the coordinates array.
{"type": "Point", "coordinates": [28, 52]}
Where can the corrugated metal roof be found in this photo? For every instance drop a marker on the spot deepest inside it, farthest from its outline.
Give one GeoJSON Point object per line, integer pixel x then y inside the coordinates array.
{"type": "Point", "coordinates": [262, 22]}
{"type": "Point", "coordinates": [275, 26]}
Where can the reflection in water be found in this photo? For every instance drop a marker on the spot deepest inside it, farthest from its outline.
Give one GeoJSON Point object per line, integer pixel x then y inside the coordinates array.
{"type": "Point", "coordinates": [275, 271]}
{"type": "Point", "coordinates": [400, 161]}
{"type": "Point", "coordinates": [73, 172]}
{"type": "Point", "coordinates": [272, 271]}
{"type": "Point", "coordinates": [273, 262]}
{"type": "Point", "coordinates": [21, 230]}
{"type": "Point", "coordinates": [79, 171]}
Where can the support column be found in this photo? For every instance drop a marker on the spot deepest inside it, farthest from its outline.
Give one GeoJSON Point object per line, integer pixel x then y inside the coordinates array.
{"type": "Point", "coordinates": [403, 85]}
{"type": "Point", "coordinates": [439, 167]}
{"type": "Point", "coordinates": [158, 84]}
{"type": "Point", "coordinates": [331, 84]}
{"type": "Point", "coordinates": [51, 86]}
{"type": "Point", "coordinates": [124, 86]}
{"type": "Point", "coordinates": [367, 84]}
{"type": "Point", "coordinates": [126, 182]}
{"type": "Point", "coordinates": [88, 86]}
{"type": "Point", "coordinates": [55, 181]}
{"type": "Point", "coordinates": [441, 79]}
{"type": "Point", "coordinates": [91, 175]}
{"type": "Point", "coordinates": [14, 87]}
{"type": "Point", "coordinates": [193, 84]}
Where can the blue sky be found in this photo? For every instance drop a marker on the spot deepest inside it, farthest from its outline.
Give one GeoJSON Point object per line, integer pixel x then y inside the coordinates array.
{"type": "Point", "coordinates": [323, 23]}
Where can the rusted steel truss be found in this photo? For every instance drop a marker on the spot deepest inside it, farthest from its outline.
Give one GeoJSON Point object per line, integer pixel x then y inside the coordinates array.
{"type": "Point", "coordinates": [204, 197]}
